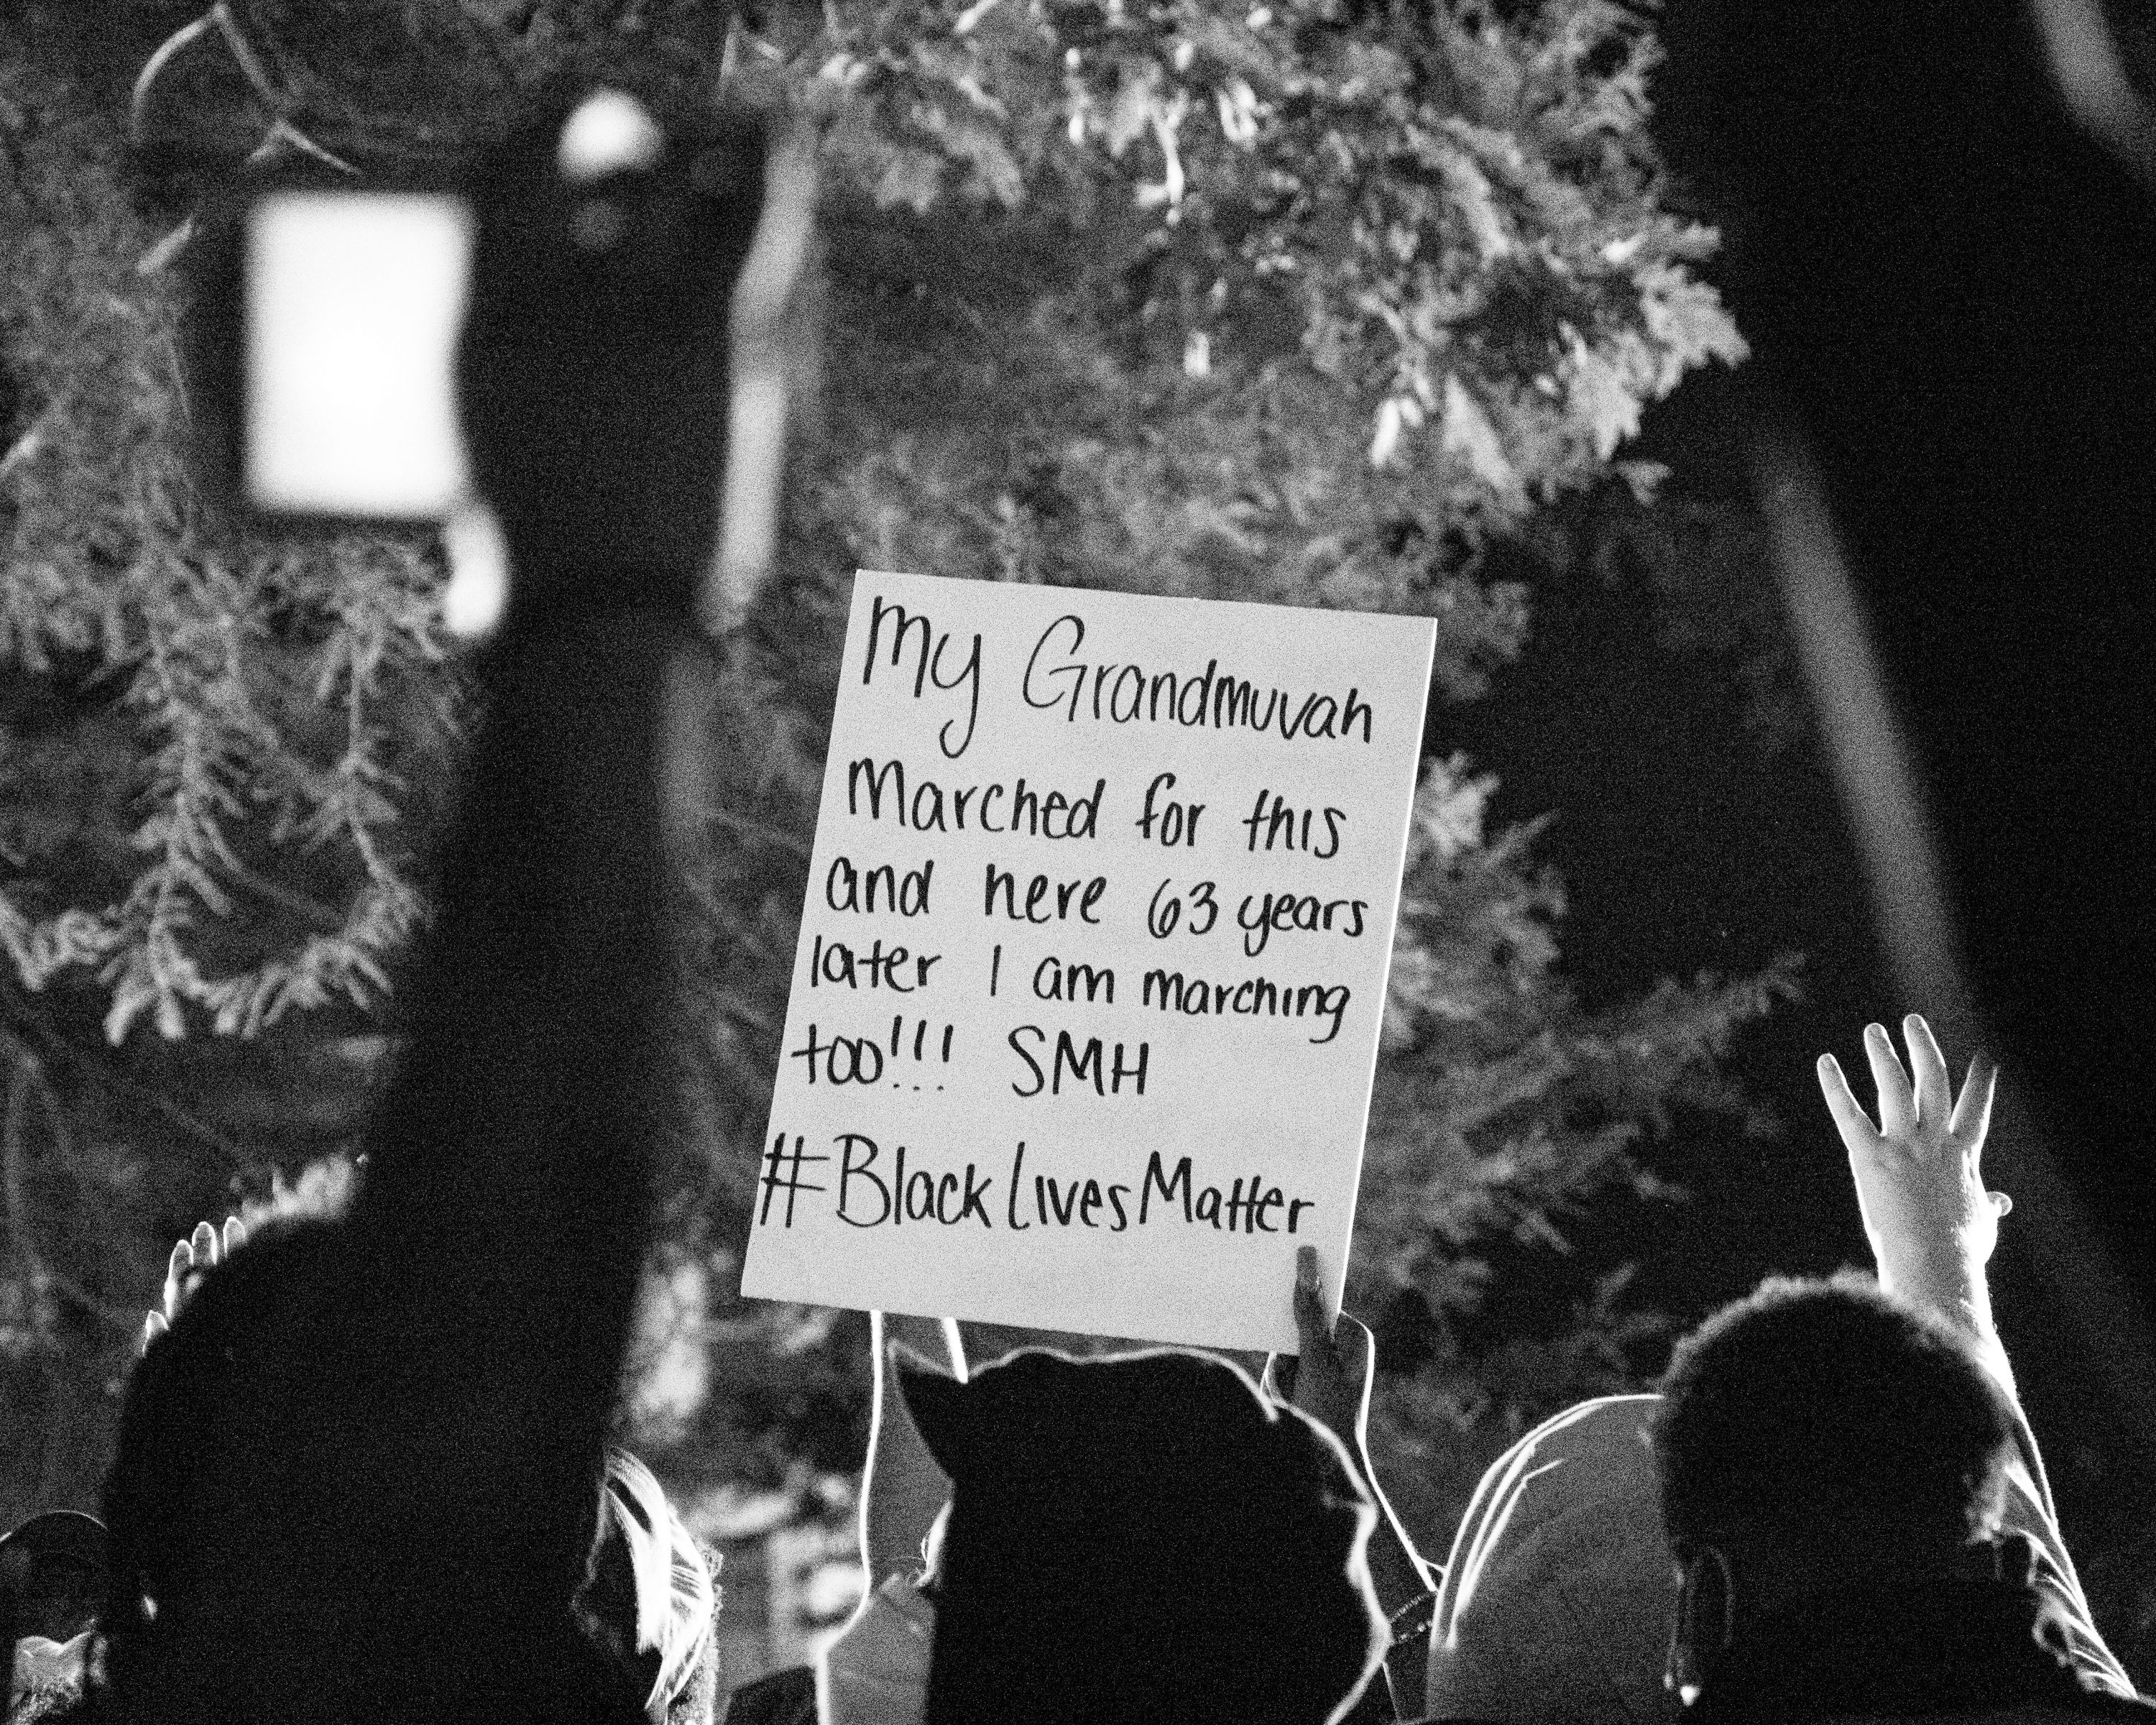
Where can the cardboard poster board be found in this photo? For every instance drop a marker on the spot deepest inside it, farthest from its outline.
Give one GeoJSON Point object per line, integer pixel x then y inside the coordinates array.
{"type": "Point", "coordinates": [1085, 1009]}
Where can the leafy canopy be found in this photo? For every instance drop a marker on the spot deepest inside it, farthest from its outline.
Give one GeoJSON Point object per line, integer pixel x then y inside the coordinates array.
{"type": "Point", "coordinates": [1312, 301]}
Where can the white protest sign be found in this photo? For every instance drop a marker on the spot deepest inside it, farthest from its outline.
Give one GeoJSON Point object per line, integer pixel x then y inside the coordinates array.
{"type": "Point", "coordinates": [1085, 1009]}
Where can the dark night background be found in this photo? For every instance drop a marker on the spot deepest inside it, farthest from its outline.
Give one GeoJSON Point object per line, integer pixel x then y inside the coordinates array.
{"type": "Point", "coordinates": [1953, 292]}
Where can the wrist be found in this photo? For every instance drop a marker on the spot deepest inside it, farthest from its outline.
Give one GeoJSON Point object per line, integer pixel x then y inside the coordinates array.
{"type": "Point", "coordinates": [1951, 1287]}
{"type": "Point", "coordinates": [1939, 1273]}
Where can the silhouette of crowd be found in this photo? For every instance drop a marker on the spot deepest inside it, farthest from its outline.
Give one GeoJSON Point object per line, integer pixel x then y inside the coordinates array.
{"type": "Point", "coordinates": [364, 1474]}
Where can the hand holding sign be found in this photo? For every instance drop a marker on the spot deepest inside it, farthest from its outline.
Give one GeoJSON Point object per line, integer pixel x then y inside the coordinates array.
{"type": "Point", "coordinates": [1092, 966]}
{"type": "Point", "coordinates": [1330, 1378]}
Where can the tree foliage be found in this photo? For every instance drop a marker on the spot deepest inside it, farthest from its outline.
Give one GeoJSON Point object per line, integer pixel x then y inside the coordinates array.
{"type": "Point", "coordinates": [203, 731]}
{"type": "Point", "coordinates": [1311, 302]}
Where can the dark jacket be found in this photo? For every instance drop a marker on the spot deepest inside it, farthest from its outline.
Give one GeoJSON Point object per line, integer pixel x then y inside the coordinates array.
{"type": "Point", "coordinates": [1983, 1640]}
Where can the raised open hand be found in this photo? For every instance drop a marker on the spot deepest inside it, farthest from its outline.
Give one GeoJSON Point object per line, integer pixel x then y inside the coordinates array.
{"type": "Point", "coordinates": [193, 1257]}
{"type": "Point", "coordinates": [1918, 1182]}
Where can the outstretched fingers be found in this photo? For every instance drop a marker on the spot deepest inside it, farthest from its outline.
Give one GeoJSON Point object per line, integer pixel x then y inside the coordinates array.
{"type": "Point", "coordinates": [1971, 1125]}
{"type": "Point", "coordinates": [1934, 1084]}
{"type": "Point", "coordinates": [1858, 1133]}
{"type": "Point", "coordinates": [1972, 1112]}
{"type": "Point", "coordinates": [1897, 1102]}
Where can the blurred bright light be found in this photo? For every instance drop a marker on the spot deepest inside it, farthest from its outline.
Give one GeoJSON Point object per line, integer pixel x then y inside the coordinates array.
{"type": "Point", "coordinates": [477, 591]}
{"type": "Point", "coordinates": [607, 133]}
{"type": "Point", "coordinates": [769, 347]}
{"type": "Point", "coordinates": [2092, 77]}
{"type": "Point", "coordinates": [353, 303]}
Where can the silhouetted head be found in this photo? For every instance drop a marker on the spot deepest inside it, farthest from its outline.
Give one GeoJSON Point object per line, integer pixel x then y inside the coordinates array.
{"type": "Point", "coordinates": [1825, 1417]}
{"type": "Point", "coordinates": [231, 1595]}
{"type": "Point", "coordinates": [216, 1563]}
{"type": "Point", "coordinates": [1141, 1538]}
{"type": "Point", "coordinates": [1818, 1436]}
